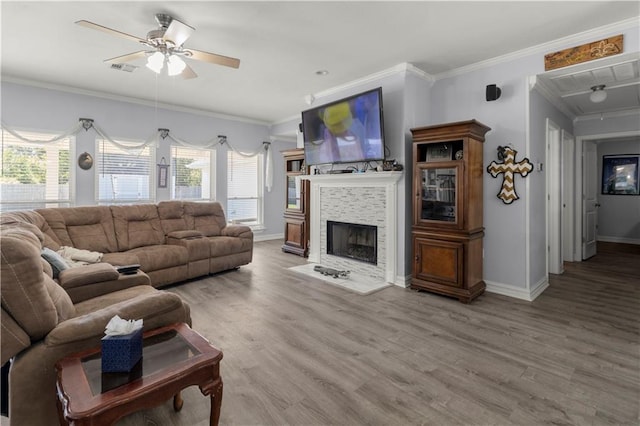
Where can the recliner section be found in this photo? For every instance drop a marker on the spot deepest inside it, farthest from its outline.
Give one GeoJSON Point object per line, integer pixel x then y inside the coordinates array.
{"type": "Point", "coordinates": [172, 241]}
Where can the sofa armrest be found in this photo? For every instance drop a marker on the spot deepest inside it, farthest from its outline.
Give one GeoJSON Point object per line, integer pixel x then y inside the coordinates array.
{"type": "Point", "coordinates": [241, 231]}
{"type": "Point", "coordinates": [87, 274]}
{"type": "Point", "coordinates": [145, 306]}
{"type": "Point", "coordinates": [89, 291]}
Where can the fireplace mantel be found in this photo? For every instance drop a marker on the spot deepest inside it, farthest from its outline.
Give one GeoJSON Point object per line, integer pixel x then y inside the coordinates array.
{"type": "Point", "coordinates": [382, 183]}
{"type": "Point", "coordinates": [355, 179]}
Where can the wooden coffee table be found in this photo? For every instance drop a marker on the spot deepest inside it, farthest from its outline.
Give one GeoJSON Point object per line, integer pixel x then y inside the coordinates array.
{"type": "Point", "coordinates": [173, 358]}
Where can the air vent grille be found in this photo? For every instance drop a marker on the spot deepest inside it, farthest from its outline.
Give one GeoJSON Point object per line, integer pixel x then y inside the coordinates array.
{"type": "Point", "coordinates": [123, 67]}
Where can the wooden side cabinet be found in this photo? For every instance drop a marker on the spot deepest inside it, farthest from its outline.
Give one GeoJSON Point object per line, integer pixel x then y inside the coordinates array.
{"type": "Point", "coordinates": [296, 212]}
{"type": "Point", "coordinates": [448, 227]}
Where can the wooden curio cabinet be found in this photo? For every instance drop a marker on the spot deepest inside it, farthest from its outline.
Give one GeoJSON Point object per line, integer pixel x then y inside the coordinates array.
{"type": "Point", "coordinates": [296, 213]}
{"type": "Point", "coordinates": [447, 209]}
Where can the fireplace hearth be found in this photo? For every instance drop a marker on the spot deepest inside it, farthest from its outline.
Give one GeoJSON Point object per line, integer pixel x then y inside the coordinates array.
{"type": "Point", "coordinates": [353, 241]}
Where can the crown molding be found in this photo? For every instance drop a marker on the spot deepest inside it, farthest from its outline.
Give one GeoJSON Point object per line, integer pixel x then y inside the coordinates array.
{"type": "Point", "coordinates": [403, 68]}
{"type": "Point", "coordinates": [131, 100]}
{"type": "Point", "coordinates": [544, 48]}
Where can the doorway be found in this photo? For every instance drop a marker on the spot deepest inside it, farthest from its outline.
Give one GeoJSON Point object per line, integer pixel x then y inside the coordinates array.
{"type": "Point", "coordinates": [586, 178]}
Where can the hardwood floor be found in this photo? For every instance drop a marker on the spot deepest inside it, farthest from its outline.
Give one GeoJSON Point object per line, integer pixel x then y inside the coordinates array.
{"type": "Point", "coordinates": [300, 352]}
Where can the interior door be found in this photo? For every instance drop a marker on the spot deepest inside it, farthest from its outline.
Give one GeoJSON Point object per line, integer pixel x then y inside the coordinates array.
{"type": "Point", "coordinates": [589, 199]}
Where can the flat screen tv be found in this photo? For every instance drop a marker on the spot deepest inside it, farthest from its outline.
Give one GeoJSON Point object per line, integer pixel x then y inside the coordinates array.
{"type": "Point", "coordinates": [350, 130]}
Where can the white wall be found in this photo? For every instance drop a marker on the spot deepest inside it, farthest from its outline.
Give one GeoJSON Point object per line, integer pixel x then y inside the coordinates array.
{"type": "Point", "coordinates": [540, 111]}
{"type": "Point", "coordinates": [513, 240]}
{"type": "Point", "coordinates": [462, 97]}
{"type": "Point", "coordinates": [40, 109]}
{"type": "Point", "coordinates": [618, 215]}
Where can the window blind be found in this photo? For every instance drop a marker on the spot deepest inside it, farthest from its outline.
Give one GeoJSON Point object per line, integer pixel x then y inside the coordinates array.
{"type": "Point", "coordinates": [244, 189]}
{"type": "Point", "coordinates": [35, 175]}
{"type": "Point", "coordinates": [192, 174]}
{"type": "Point", "coordinates": [124, 175]}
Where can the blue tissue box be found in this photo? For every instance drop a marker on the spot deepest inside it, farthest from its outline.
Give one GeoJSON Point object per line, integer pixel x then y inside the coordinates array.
{"type": "Point", "coordinates": [121, 353]}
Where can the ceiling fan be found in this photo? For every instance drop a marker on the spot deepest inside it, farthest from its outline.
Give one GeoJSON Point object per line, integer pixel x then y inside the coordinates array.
{"type": "Point", "coordinates": [166, 44]}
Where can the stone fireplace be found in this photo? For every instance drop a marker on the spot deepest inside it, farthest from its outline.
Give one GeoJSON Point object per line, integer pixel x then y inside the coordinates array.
{"type": "Point", "coordinates": [361, 200]}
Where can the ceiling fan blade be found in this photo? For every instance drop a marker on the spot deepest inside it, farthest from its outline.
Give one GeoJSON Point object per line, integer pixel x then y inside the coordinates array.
{"type": "Point", "coordinates": [213, 58]}
{"type": "Point", "coordinates": [108, 30]}
{"type": "Point", "coordinates": [127, 58]}
{"type": "Point", "coordinates": [178, 32]}
{"type": "Point", "coordinates": [188, 72]}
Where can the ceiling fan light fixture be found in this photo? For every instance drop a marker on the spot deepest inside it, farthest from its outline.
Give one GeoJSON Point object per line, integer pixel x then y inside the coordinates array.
{"type": "Point", "coordinates": [598, 94]}
{"type": "Point", "coordinates": [156, 62]}
{"type": "Point", "coordinates": [175, 65]}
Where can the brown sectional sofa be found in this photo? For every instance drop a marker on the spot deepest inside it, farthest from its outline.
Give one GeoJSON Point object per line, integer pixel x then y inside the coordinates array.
{"type": "Point", "coordinates": [44, 320]}
{"type": "Point", "coordinates": [172, 241]}
{"type": "Point", "coordinates": [40, 322]}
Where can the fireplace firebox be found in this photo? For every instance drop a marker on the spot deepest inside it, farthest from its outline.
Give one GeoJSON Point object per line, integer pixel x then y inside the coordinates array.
{"type": "Point", "coordinates": [353, 241]}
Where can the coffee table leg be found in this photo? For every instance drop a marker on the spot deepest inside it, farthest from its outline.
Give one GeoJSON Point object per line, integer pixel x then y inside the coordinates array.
{"type": "Point", "coordinates": [216, 402]}
{"type": "Point", "coordinates": [178, 402]}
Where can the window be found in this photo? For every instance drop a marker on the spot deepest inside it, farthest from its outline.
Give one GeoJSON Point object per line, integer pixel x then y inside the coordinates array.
{"type": "Point", "coordinates": [192, 174]}
{"type": "Point", "coordinates": [244, 189]}
{"type": "Point", "coordinates": [35, 175]}
{"type": "Point", "coordinates": [124, 172]}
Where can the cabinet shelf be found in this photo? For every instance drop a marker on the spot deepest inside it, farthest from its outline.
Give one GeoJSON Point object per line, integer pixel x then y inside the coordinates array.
{"type": "Point", "coordinates": [447, 209]}
{"type": "Point", "coordinates": [296, 214]}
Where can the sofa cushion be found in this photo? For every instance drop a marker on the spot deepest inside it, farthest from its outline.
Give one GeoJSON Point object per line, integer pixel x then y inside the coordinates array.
{"type": "Point", "coordinates": [154, 258]}
{"type": "Point", "coordinates": [24, 294]}
{"type": "Point", "coordinates": [207, 218]}
{"type": "Point", "coordinates": [171, 215]}
{"type": "Point", "coordinates": [140, 302]}
{"type": "Point", "coordinates": [86, 228]}
{"type": "Point", "coordinates": [120, 259]}
{"type": "Point", "coordinates": [13, 338]}
{"type": "Point", "coordinates": [137, 226]}
{"type": "Point", "coordinates": [49, 237]}
{"type": "Point", "coordinates": [60, 299]}
{"type": "Point", "coordinates": [185, 235]}
{"type": "Point", "coordinates": [222, 246]}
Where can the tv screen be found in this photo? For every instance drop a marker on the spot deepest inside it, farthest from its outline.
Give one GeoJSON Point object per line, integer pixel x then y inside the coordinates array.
{"type": "Point", "coordinates": [346, 131]}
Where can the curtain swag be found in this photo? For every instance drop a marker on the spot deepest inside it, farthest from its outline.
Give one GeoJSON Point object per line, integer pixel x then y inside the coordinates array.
{"type": "Point", "coordinates": [217, 141]}
{"type": "Point", "coordinates": [154, 139]}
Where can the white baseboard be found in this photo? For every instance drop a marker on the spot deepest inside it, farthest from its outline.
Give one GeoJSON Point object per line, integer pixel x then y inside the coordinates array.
{"type": "Point", "coordinates": [403, 282]}
{"type": "Point", "coordinates": [618, 240]}
{"type": "Point", "coordinates": [257, 237]}
{"type": "Point", "coordinates": [517, 292]}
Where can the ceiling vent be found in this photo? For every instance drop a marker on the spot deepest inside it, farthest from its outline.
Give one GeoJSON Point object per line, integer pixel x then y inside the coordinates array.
{"type": "Point", "coordinates": [123, 67]}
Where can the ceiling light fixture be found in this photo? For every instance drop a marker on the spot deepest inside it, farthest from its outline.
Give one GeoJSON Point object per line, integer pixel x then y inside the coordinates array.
{"type": "Point", "coordinates": [156, 62]}
{"type": "Point", "coordinates": [175, 65]}
{"type": "Point", "coordinates": [598, 95]}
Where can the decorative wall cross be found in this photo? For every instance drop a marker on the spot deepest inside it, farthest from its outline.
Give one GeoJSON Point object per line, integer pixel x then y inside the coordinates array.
{"type": "Point", "coordinates": [509, 167]}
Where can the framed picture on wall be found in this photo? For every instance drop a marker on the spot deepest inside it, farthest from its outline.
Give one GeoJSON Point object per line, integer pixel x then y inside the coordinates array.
{"type": "Point", "coordinates": [163, 171]}
{"type": "Point", "coordinates": [620, 174]}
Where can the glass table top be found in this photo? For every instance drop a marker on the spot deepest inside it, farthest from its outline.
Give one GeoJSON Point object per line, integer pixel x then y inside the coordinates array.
{"type": "Point", "coordinates": [158, 352]}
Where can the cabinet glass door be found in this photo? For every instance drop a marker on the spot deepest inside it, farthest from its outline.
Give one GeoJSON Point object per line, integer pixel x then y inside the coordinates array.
{"type": "Point", "coordinates": [437, 193]}
{"type": "Point", "coordinates": [293, 192]}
